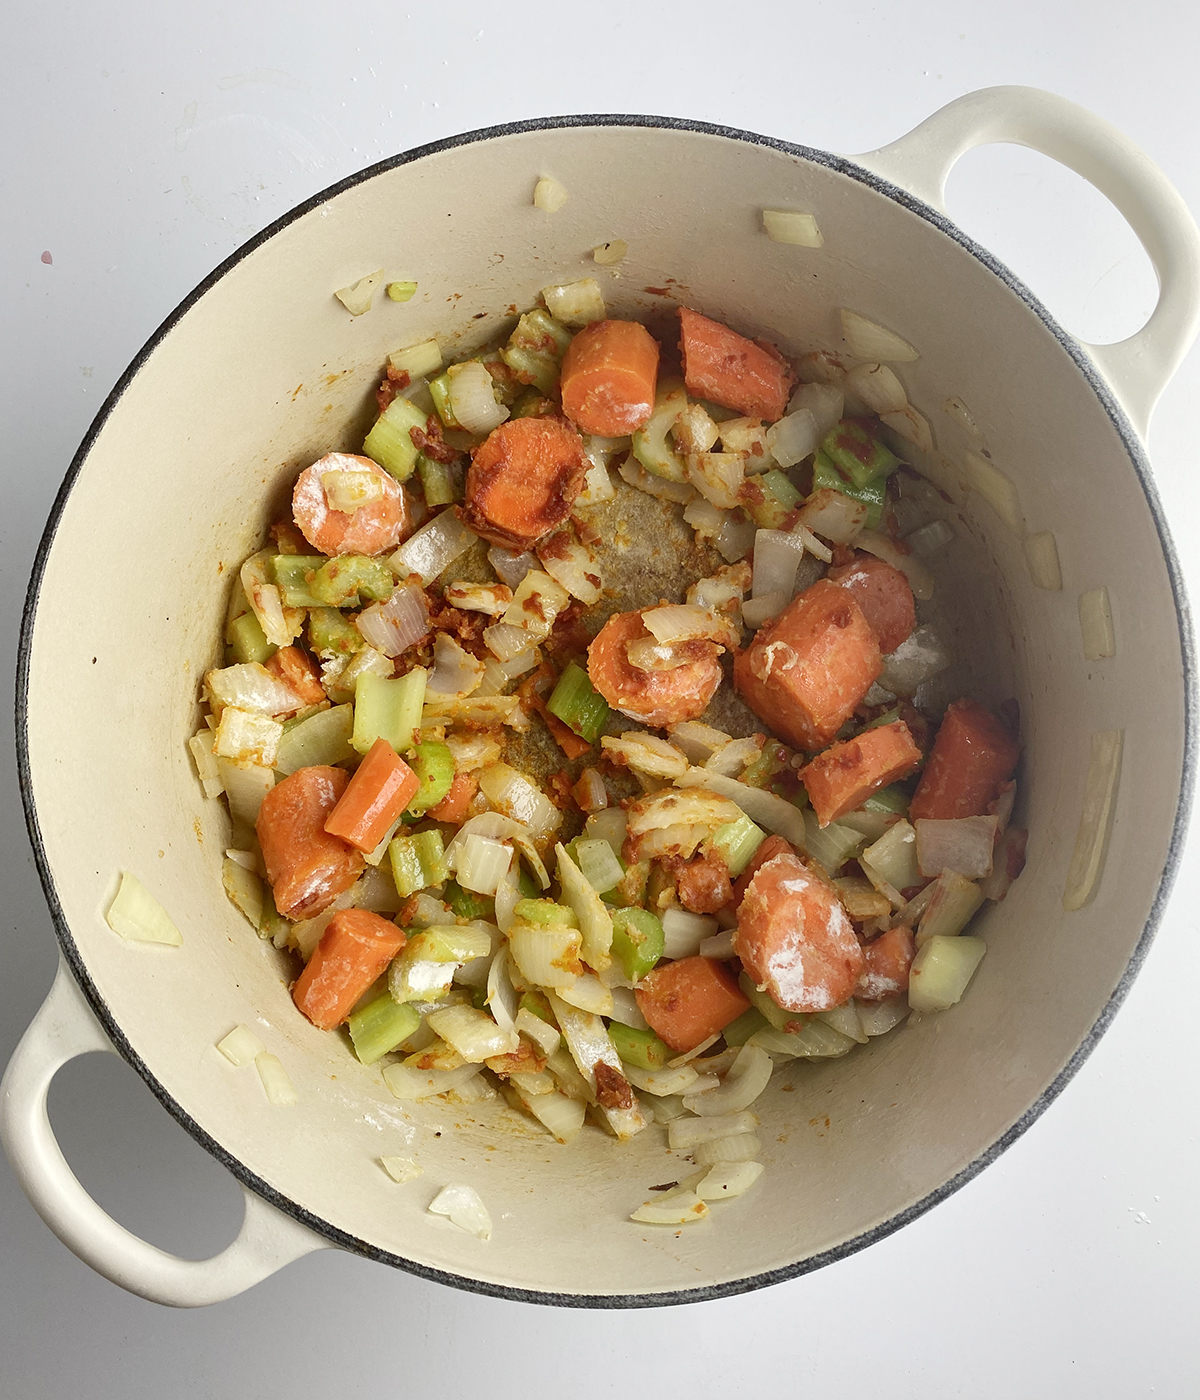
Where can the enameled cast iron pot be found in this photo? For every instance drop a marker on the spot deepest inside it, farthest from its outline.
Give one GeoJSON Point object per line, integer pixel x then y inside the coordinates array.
{"type": "Point", "coordinates": [260, 371]}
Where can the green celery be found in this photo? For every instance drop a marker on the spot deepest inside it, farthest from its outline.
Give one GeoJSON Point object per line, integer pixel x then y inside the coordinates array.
{"type": "Point", "coordinates": [637, 942]}
{"type": "Point", "coordinates": [388, 709]}
{"type": "Point", "coordinates": [348, 580]}
{"type": "Point", "coordinates": [431, 851]}
{"type": "Point", "coordinates": [537, 1004]}
{"type": "Point", "coordinates": [433, 763]}
{"type": "Point", "coordinates": [330, 634]}
{"type": "Point", "coordinates": [390, 444]}
{"type": "Point", "coordinates": [769, 499]}
{"type": "Point", "coordinates": [830, 846]}
{"type": "Point", "coordinates": [873, 495]}
{"type": "Point", "coordinates": [632, 889]}
{"type": "Point", "coordinates": [855, 451]}
{"type": "Point", "coordinates": [892, 798]}
{"type": "Point", "coordinates": [739, 1032]}
{"type": "Point", "coordinates": [449, 943]}
{"type": "Point", "coordinates": [579, 704]}
{"type": "Point", "coordinates": [467, 905]}
{"type": "Point", "coordinates": [650, 445]}
{"type": "Point", "coordinates": [888, 717]}
{"type": "Point", "coordinates": [538, 330]}
{"type": "Point", "coordinates": [766, 1006]}
{"type": "Point", "coordinates": [401, 291]}
{"type": "Point", "coordinates": [439, 392]}
{"type": "Point", "coordinates": [531, 403]}
{"type": "Point", "coordinates": [406, 866]}
{"type": "Point", "coordinates": [291, 576]}
{"type": "Point", "coordinates": [248, 641]}
{"type": "Point", "coordinates": [772, 758]}
{"type": "Point", "coordinates": [545, 913]}
{"type": "Point", "coordinates": [736, 842]}
{"type": "Point", "coordinates": [271, 923]}
{"type": "Point", "coordinates": [529, 887]}
{"type": "Point", "coordinates": [438, 482]}
{"type": "Point", "coordinates": [641, 1048]}
{"type": "Point", "coordinates": [380, 1026]}
{"type": "Point", "coordinates": [532, 367]}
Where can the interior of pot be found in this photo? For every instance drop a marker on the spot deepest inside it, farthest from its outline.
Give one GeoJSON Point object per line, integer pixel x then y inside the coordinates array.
{"type": "Point", "coordinates": [265, 371]}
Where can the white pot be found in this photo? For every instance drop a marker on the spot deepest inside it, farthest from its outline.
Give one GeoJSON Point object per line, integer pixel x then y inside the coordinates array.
{"type": "Point", "coordinates": [261, 370]}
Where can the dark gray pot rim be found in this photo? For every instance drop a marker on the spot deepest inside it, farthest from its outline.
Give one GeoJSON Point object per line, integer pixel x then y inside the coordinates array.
{"type": "Point", "coordinates": [1141, 466]}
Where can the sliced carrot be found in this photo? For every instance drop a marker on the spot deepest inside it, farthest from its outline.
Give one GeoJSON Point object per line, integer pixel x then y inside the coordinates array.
{"type": "Point", "coordinates": [795, 938]}
{"type": "Point", "coordinates": [306, 866]}
{"type": "Point", "coordinates": [973, 754]}
{"type": "Point", "coordinates": [298, 670]}
{"type": "Point", "coordinates": [654, 697]}
{"type": "Point", "coordinates": [354, 949]}
{"type": "Point", "coordinates": [773, 846]}
{"type": "Point", "coordinates": [382, 786]}
{"type": "Point", "coordinates": [888, 960]}
{"type": "Point", "coordinates": [750, 377]}
{"type": "Point", "coordinates": [687, 1001]}
{"type": "Point", "coordinates": [883, 594]}
{"type": "Point", "coordinates": [842, 778]}
{"type": "Point", "coordinates": [372, 528]}
{"type": "Point", "coordinates": [457, 802]}
{"type": "Point", "coordinates": [805, 672]}
{"type": "Point", "coordinates": [523, 480]}
{"type": "Point", "coordinates": [609, 374]}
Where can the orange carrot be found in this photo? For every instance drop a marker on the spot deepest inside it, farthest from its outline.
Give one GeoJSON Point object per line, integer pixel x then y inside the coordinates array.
{"type": "Point", "coordinates": [795, 938]}
{"type": "Point", "coordinates": [457, 802]}
{"type": "Point", "coordinates": [805, 672]}
{"type": "Point", "coordinates": [654, 697]}
{"type": "Point", "coordinates": [297, 669]}
{"type": "Point", "coordinates": [973, 754]}
{"type": "Point", "coordinates": [883, 594]}
{"type": "Point", "coordinates": [523, 481]}
{"type": "Point", "coordinates": [685, 1002]}
{"type": "Point", "coordinates": [570, 742]}
{"type": "Point", "coordinates": [888, 960]}
{"type": "Point", "coordinates": [750, 377]}
{"type": "Point", "coordinates": [382, 786]}
{"type": "Point", "coordinates": [773, 846]}
{"type": "Point", "coordinates": [842, 778]}
{"type": "Point", "coordinates": [306, 866]}
{"type": "Point", "coordinates": [372, 528]}
{"type": "Point", "coordinates": [609, 375]}
{"type": "Point", "coordinates": [354, 949]}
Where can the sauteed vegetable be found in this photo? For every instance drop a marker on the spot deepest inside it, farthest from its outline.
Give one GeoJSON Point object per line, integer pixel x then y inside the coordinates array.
{"type": "Point", "coordinates": [532, 828]}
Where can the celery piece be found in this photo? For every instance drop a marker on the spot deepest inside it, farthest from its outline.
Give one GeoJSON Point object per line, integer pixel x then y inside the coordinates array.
{"type": "Point", "coordinates": [650, 445]}
{"type": "Point", "coordinates": [826, 477]}
{"type": "Point", "coordinates": [830, 846]}
{"type": "Point", "coordinates": [322, 737]}
{"type": "Point", "coordinates": [440, 483]}
{"type": "Point", "coordinates": [545, 913]}
{"type": "Point", "coordinates": [632, 889]}
{"type": "Point", "coordinates": [380, 1026]}
{"type": "Point", "coordinates": [531, 403]}
{"type": "Point", "coordinates": [579, 704]}
{"type": "Point", "coordinates": [247, 640]}
{"type": "Point", "coordinates": [390, 444]}
{"type": "Point", "coordinates": [271, 923]}
{"type": "Point", "coordinates": [538, 330]}
{"type": "Point", "coordinates": [431, 851]}
{"type": "Point", "coordinates": [766, 1006]}
{"type": "Point", "coordinates": [467, 905]}
{"type": "Point", "coordinates": [346, 581]}
{"type": "Point", "coordinates": [291, 577]}
{"type": "Point", "coordinates": [537, 1004]}
{"type": "Point", "coordinates": [433, 763]}
{"type": "Point", "coordinates": [736, 842]}
{"type": "Point", "coordinates": [641, 1048]}
{"type": "Point", "coordinates": [388, 709]}
{"type": "Point", "coordinates": [888, 717]}
{"type": "Point", "coordinates": [769, 500]}
{"type": "Point", "coordinates": [747, 1024]}
{"type": "Point", "coordinates": [637, 942]}
{"type": "Point", "coordinates": [892, 798]}
{"type": "Point", "coordinates": [941, 970]}
{"type": "Point", "coordinates": [407, 873]}
{"type": "Point", "coordinates": [856, 452]}
{"type": "Point", "coordinates": [330, 634]}
{"type": "Point", "coordinates": [772, 759]}
{"type": "Point", "coordinates": [529, 887]}
{"type": "Point", "coordinates": [532, 367]}
{"type": "Point", "coordinates": [401, 291]}
{"type": "Point", "coordinates": [439, 392]}
{"type": "Point", "coordinates": [450, 943]}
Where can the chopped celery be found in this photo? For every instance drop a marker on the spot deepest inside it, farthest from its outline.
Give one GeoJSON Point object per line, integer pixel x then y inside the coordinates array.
{"type": "Point", "coordinates": [826, 477]}
{"type": "Point", "coordinates": [545, 913]}
{"type": "Point", "coordinates": [431, 850]}
{"type": "Point", "coordinates": [857, 453]}
{"type": "Point", "coordinates": [271, 923]}
{"type": "Point", "coordinates": [637, 942]}
{"type": "Point", "coordinates": [345, 581]}
{"type": "Point", "coordinates": [888, 717]}
{"type": "Point", "coordinates": [388, 709]}
{"type": "Point", "coordinates": [537, 1004]}
{"type": "Point", "coordinates": [380, 1026]}
{"type": "Point", "coordinates": [941, 971]}
{"type": "Point", "coordinates": [832, 845]}
{"type": "Point", "coordinates": [248, 641]}
{"type": "Point", "coordinates": [529, 887]}
{"type": "Point", "coordinates": [467, 905]}
{"type": "Point", "coordinates": [418, 861]}
{"type": "Point", "coordinates": [892, 798]}
{"type": "Point", "coordinates": [766, 1006]}
{"type": "Point", "coordinates": [450, 943]}
{"type": "Point", "coordinates": [531, 403]}
{"type": "Point", "coordinates": [401, 291]}
{"type": "Point", "coordinates": [578, 704]}
{"type": "Point", "coordinates": [433, 763]}
{"type": "Point", "coordinates": [632, 889]}
{"type": "Point", "coordinates": [439, 392]}
{"type": "Point", "coordinates": [439, 482]}
{"type": "Point", "coordinates": [390, 441]}
{"type": "Point", "coordinates": [291, 577]}
{"type": "Point", "coordinates": [772, 759]}
{"type": "Point", "coordinates": [769, 500]}
{"type": "Point", "coordinates": [532, 367]}
{"type": "Point", "coordinates": [330, 634]}
{"type": "Point", "coordinates": [320, 738]}
{"type": "Point", "coordinates": [747, 1024]}
{"type": "Point", "coordinates": [650, 445]}
{"type": "Point", "coordinates": [736, 842]}
{"type": "Point", "coordinates": [641, 1048]}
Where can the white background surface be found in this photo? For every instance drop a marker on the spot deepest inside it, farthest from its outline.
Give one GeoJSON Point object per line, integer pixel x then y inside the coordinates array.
{"type": "Point", "coordinates": [143, 143]}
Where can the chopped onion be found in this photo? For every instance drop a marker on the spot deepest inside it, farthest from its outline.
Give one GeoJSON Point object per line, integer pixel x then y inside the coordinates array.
{"type": "Point", "coordinates": [718, 476]}
{"type": "Point", "coordinates": [626, 1010]}
{"type": "Point", "coordinates": [549, 195]}
{"type": "Point", "coordinates": [912, 426]}
{"type": "Point", "coordinates": [410, 1084]}
{"type": "Point", "coordinates": [590, 791]}
{"type": "Point", "coordinates": [826, 403]}
{"type": "Point", "coordinates": [646, 753]}
{"type": "Point", "coordinates": [735, 756]}
{"type": "Point", "coordinates": [490, 598]}
{"type": "Point", "coordinates": [736, 537]}
{"type": "Point", "coordinates": [400, 1169]}
{"type": "Point", "coordinates": [246, 737]}
{"type": "Point", "coordinates": [833, 515]}
{"type": "Point", "coordinates": [787, 226]}
{"type": "Point", "coordinates": [920, 657]}
{"type": "Point", "coordinates": [250, 686]}
{"type": "Point", "coordinates": [493, 825]}
{"type": "Point", "coordinates": [930, 539]}
{"type": "Point", "coordinates": [275, 1080]}
{"type": "Point", "coordinates": [575, 303]}
{"type": "Point", "coordinates": [674, 1208]}
{"type": "Point", "coordinates": [560, 1116]}
{"type": "Point", "coordinates": [1095, 822]}
{"type": "Point", "coordinates": [322, 738]}
{"type": "Point", "coordinates": [506, 642]}
{"type": "Point", "coordinates": [953, 900]}
{"type": "Point", "coordinates": [920, 580]}
{"type": "Point", "coordinates": [776, 557]}
{"type": "Point", "coordinates": [813, 545]}
{"type": "Point", "coordinates": [878, 388]}
{"type": "Point", "coordinates": [472, 751]}
{"type": "Point", "coordinates": [748, 1076]}
{"type": "Point", "coordinates": [136, 915]}
{"type": "Point", "coordinates": [695, 431]}
{"type": "Point", "coordinates": [962, 415]}
{"type": "Point", "coordinates": [996, 489]}
{"type": "Point", "coordinates": [869, 341]}
{"type": "Point", "coordinates": [648, 655]}
{"type": "Point", "coordinates": [403, 621]}
{"type": "Point", "coordinates": [598, 864]}
{"type": "Point", "coordinates": [589, 1044]}
{"type": "Point", "coordinates": [241, 1046]}
{"type": "Point", "coordinates": [475, 709]}
{"type": "Point", "coordinates": [609, 825]}
{"type": "Point", "coordinates": [683, 931]}
{"type": "Point", "coordinates": [246, 784]}
{"type": "Point", "coordinates": [680, 622]}
{"type": "Point", "coordinates": [706, 519]}
{"type": "Point", "coordinates": [597, 486]}
{"type": "Point", "coordinates": [635, 474]}
{"type": "Point", "coordinates": [536, 603]}
{"type": "Point", "coordinates": [520, 798]}
{"type": "Point", "coordinates": [844, 1020]}
{"type": "Point", "coordinates": [727, 1180]}
{"type": "Point", "coordinates": [610, 253]}
{"type": "Point", "coordinates": [461, 1204]}
{"type": "Point", "coordinates": [742, 1147]}
{"type": "Point", "coordinates": [699, 742]}
{"type": "Point", "coordinates": [879, 1017]}
{"type": "Point", "coordinates": [719, 947]}
{"type": "Point", "coordinates": [572, 565]}
{"type": "Point", "coordinates": [765, 808]}
{"type": "Point", "coordinates": [455, 671]}
{"type": "Point", "coordinates": [588, 993]}
{"type": "Point", "coordinates": [473, 398]}
{"type": "Point", "coordinates": [748, 436]}
{"type": "Point", "coordinates": [1096, 624]}
{"type": "Point", "coordinates": [207, 769]}
{"type": "Point", "coordinates": [244, 888]}
{"type": "Point", "coordinates": [357, 297]}
{"type": "Point", "coordinates": [595, 922]}
{"type": "Point", "coordinates": [435, 546]}
{"type": "Point", "coordinates": [1041, 554]}
{"type": "Point", "coordinates": [473, 1034]}
{"type": "Point", "coordinates": [758, 611]}
{"type": "Point", "coordinates": [686, 1133]}
{"type": "Point", "coordinates": [482, 863]}
{"type": "Point", "coordinates": [793, 438]}
{"type": "Point", "coordinates": [511, 566]}
{"type": "Point", "coordinates": [508, 894]}
{"type": "Point", "coordinates": [662, 1082]}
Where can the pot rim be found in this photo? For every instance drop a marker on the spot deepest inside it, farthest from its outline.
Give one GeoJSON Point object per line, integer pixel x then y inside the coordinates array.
{"type": "Point", "coordinates": [1141, 465]}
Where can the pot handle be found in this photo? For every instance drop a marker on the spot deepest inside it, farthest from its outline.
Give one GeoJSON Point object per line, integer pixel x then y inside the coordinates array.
{"type": "Point", "coordinates": [1139, 368]}
{"type": "Point", "coordinates": [64, 1028]}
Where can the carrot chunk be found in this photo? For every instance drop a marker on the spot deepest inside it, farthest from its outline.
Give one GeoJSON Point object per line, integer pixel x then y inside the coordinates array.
{"type": "Point", "coordinates": [888, 960]}
{"type": "Point", "coordinates": [883, 594]}
{"type": "Point", "coordinates": [973, 754]}
{"type": "Point", "coordinates": [306, 866]}
{"type": "Point", "coordinates": [609, 375]}
{"type": "Point", "coordinates": [726, 368]}
{"type": "Point", "coordinates": [523, 481]}
{"type": "Point", "coordinates": [382, 786]}
{"type": "Point", "coordinates": [457, 802]}
{"type": "Point", "coordinates": [795, 938]}
{"type": "Point", "coordinates": [298, 670]}
{"type": "Point", "coordinates": [805, 672]}
{"type": "Point", "coordinates": [773, 846]}
{"type": "Point", "coordinates": [842, 778]}
{"type": "Point", "coordinates": [654, 697]}
{"type": "Point", "coordinates": [372, 528]}
{"type": "Point", "coordinates": [354, 949]}
{"type": "Point", "coordinates": [685, 1002]}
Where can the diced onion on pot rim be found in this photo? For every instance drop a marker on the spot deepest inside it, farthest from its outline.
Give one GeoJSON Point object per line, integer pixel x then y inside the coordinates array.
{"type": "Point", "coordinates": [748, 1076]}
{"type": "Point", "coordinates": [276, 1082]}
{"type": "Point", "coordinates": [136, 915]}
{"type": "Point", "coordinates": [877, 386]}
{"type": "Point", "coordinates": [357, 297]}
{"type": "Point", "coordinates": [549, 195]}
{"type": "Point", "coordinates": [1041, 554]}
{"type": "Point", "coordinates": [726, 1180]}
{"type": "Point", "coordinates": [870, 341]}
{"type": "Point", "coordinates": [241, 1046]}
{"type": "Point", "coordinates": [786, 226]}
{"type": "Point", "coordinates": [462, 1206]}
{"type": "Point", "coordinates": [1095, 822]}
{"type": "Point", "coordinates": [996, 489]}
{"type": "Point", "coordinates": [401, 1169]}
{"type": "Point", "coordinates": [911, 425]}
{"type": "Point", "coordinates": [1096, 625]}
{"type": "Point", "coordinates": [610, 253]}
{"type": "Point", "coordinates": [920, 580]}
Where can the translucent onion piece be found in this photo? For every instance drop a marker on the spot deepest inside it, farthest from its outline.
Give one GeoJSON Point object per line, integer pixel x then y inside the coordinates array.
{"type": "Point", "coordinates": [776, 557]}
{"type": "Point", "coordinates": [241, 1046]}
{"type": "Point", "coordinates": [706, 519]}
{"type": "Point", "coordinates": [357, 297]}
{"type": "Point", "coordinates": [679, 622]}
{"type": "Point", "coordinates": [595, 922]}
{"type": "Point", "coordinates": [869, 341]}
{"type": "Point", "coordinates": [546, 957]}
{"type": "Point", "coordinates": [996, 489]}
{"type": "Point", "coordinates": [508, 893]}
{"type": "Point", "coordinates": [572, 565]}
{"type": "Point", "coordinates": [323, 738]}
{"type": "Point", "coordinates": [276, 1082]}
{"type": "Point", "coordinates": [879, 1017]}
{"type": "Point", "coordinates": [410, 1084]}
{"type": "Point", "coordinates": [695, 431]}
{"type": "Point", "coordinates": [636, 475]}
{"type": "Point", "coordinates": [491, 598]}
{"type": "Point", "coordinates": [1095, 823]}
{"type": "Point", "coordinates": [742, 1147]}
{"type": "Point", "coordinates": [536, 603]}
{"type": "Point", "coordinates": [455, 671]}
{"type": "Point", "coordinates": [756, 612]}
{"type": "Point", "coordinates": [786, 226]}
{"type": "Point", "coordinates": [920, 580]}
{"type": "Point", "coordinates": [250, 686]}
{"type": "Point", "coordinates": [646, 753]}
{"type": "Point", "coordinates": [826, 403]}
{"type": "Point", "coordinates": [674, 1208]}
{"type": "Point", "coordinates": [597, 487]}
{"type": "Point", "coordinates": [501, 995]}
{"type": "Point", "coordinates": [403, 621]}
{"type": "Point", "coordinates": [625, 1009]}
{"type": "Point", "coordinates": [244, 889]}
{"type": "Point", "coordinates": [482, 863]}
{"type": "Point", "coordinates": [735, 756]}
{"type": "Point", "coordinates": [686, 1133]}
{"type": "Point", "coordinates": [511, 566]}
{"type": "Point", "coordinates": [543, 1035]}
{"type": "Point", "coordinates": [930, 539]}
{"type": "Point", "coordinates": [1041, 554]}
{"type": "Point", "coordinates": [1096, 624]}
{"type": "Point", "coordinates": [494, 825]}
{"type": "Point", "coordinates": [919, 658]}
{"type": "Point", "coordinates": [727, 1180]}
{"type": "Point", "coordinates": [589, 1044]}
{"type": "Point", "coordinates": [963, 845]}
{"type": "Point", "coordinates": [878, 388]}
{"type": "Point", "coordinates": [683, 931]}
{"type": "Point", "coordinates": [833, 515]}
{"type": "Point", "coordinates": [520, 798]}
{"type": "Point", "coordinates": [912, 426]}
{"type": "Point", "coordinates": [207, 768]}
{"type": "Point", "coordinates": [590, 791]}
{"type": "Point", "coordinates": [246, 784]}
{"type": "Point", "coordinates": [769, 811]}
{"type": "Point", "coordinates": [400, 1169]}
{"type": "Point", "coordinates": [748, 1076]}
{"type": "Point", "coordinates": [962, 415]}
{"type": "Point", "coordinates": [246, 737]}
{"type": "Point", "coordinates": [473, 1034]}
{"type": "Point", "coordinates": [719, 947]}
{"type": "Point", "coordinates": [662, 1082]}
{"type": "Point", "coordinates": [462, 1206]}
{"type": "Point", "coordinates": [844, 1020]}
{"type": "Point", "coordinates": [952, 902]}
{"type": "Point", "coordinates": [476, 709]}
{"type": "Point", "coordinates": [473, 399]}
{"type": "Point", "coordinates": [610, 253]}
{"type": "Point", "coordinates": [699, 742]}
{"type": "Point", "coordinates": [417, 361]}
{"type": "Point", "coordinates": [471, 751]}
{"type": "Point", "coordinates": [793, 438]}
{"type": "Point", "coordinates": [136, 915]}
{"type": "Point", "coordinates": [549, 195]}
{"type": "Point", "coordinates": [435, 546]}
{"type": "Point", "coordinates": [718, 476]}
{"type": "Point", "coordinates": [575, 303]}
{"type": "Point", "coordinates": [588, 993]}
{"type": "Point", "coordinates": [508, 643]}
